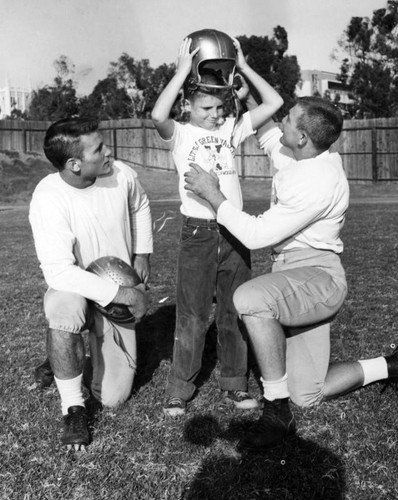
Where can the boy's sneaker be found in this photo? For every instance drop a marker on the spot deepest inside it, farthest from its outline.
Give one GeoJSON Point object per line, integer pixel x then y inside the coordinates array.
{"type": "Point", "coordinates": [241, 399]}
{"type": "Point", "coordinates": [174, 406]}
{"type": "Point", "coordinates": [44, 375]}
{"type": "Point", "coordinates": [276, 424]}
{"type": "Point", "coordinates": [76, 427]}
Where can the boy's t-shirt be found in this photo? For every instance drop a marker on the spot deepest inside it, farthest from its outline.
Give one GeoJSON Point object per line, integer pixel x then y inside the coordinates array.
{"type": "Point", "coordinates": [211, 150]}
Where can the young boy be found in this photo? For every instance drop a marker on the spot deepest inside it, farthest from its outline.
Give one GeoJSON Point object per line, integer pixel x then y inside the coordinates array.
{"type": "Point", "coordinates": [210, 258]}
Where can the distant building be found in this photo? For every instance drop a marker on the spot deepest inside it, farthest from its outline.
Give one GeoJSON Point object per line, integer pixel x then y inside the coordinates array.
{"type": "Point", "coordinates": [315, 82]}
{"type": "Point", "coordinates": [13, 98]}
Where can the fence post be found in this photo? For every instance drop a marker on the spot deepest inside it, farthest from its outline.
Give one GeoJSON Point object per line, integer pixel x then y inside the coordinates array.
{"type": "Point", "coordinates": [374, 155]}
{"type": "Point", "coordinates": [144, 144]}
{"type": "Point", "coordinates": [114, 134]}
{"type": "Point", "coordinates": [242, 160]}
{"type": "Point", "coordinates": [25, 141]}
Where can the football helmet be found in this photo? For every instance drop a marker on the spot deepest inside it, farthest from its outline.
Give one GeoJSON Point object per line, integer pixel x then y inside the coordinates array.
{"type": "Point", "coordinates": [116, 270]}
{"type": "Point", "coordinates": [216, 53]}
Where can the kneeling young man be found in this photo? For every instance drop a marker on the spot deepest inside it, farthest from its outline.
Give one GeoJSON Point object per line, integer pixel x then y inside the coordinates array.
{"type": "Point", "coordinates": [287, 313]}
{"type": "Point", "coordinates": [90, 208]}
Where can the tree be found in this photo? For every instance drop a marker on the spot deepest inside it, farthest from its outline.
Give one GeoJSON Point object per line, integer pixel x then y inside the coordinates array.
{"type": "Point", "coordinates": [106, 102]}
{"type": "Point", "coordinates": [140, 81]}
{"type": "Point", "coordinates": [59, 100]}
{"type": "Point", "coordinates": [371, 68]}
{"type": "Point", "coordinates": [267, 57]}
{"type": "Point", "coordinates": [17, 114]}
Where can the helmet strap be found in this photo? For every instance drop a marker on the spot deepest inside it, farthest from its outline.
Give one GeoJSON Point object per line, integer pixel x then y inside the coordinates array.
{"type": "Point", "coordinates": [238, 111]}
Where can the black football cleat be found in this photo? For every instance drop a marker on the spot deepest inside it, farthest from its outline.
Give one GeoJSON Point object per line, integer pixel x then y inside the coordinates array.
{"type": "Point", "coordinates": [76, 428]}
{"type": "Point", "coordinates": [392, 364]}
{"type": "Point", "coordinates": [44, 375]}
{"type": "Point", "coordinates": [276, 424]}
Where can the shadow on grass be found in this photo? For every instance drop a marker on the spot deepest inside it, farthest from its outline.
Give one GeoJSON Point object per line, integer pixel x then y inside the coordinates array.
{"type": "Point", "coordinates": [297, 469]}
{"type": "Point", "coordinates": [155, 335]}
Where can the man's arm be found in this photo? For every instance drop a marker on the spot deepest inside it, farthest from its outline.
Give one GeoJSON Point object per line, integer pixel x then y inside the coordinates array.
{"type": "Point", "coordinates": [141, 263]}
{"type": "Point", "coordinates": [298, 208]}
{"type": "Point", "coordinates": [133, 297]}
{"type": "Point", "coordinates": [54, 243]}
{"type": "Point", "coordinates": [141, 227]}
{"type": "Point", "coordinates": [161, 111]}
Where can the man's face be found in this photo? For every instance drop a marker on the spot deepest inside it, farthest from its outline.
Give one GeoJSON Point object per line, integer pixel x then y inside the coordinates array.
{"type": "Point", "coordinates": [95, 157]}
{"type": "Point", "coordinates": [290, 133]}
{"type": "Point", "coordinates": [206, 110]}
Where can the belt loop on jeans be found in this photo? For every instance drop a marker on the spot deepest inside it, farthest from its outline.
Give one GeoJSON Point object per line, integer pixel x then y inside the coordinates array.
{"type": "Point", "coordinates": [193, 221]}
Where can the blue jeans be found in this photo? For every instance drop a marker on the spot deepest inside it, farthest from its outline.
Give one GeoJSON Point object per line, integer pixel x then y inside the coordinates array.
{"type": "Point", "coordinates": [210, 260]}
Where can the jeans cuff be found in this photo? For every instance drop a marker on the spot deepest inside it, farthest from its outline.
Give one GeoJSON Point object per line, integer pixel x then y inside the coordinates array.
{"type": "Point", "coordinates": [233, 383]}
{"type": "Point", "coordinates": [180, 389]}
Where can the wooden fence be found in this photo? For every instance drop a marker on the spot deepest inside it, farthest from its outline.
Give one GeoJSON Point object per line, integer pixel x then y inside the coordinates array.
{"type": "Point", "coordinates": [369, 147]}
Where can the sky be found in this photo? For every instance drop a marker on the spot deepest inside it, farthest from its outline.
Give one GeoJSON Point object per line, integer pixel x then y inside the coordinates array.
{"type": "Point", "coordinates": [93, 33]}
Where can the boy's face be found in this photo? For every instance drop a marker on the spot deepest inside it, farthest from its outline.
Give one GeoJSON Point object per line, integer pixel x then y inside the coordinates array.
{"type": "Point", "coordinates": [206, 110]}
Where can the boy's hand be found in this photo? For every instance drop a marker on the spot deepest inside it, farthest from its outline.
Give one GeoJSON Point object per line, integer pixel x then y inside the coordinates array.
{"type": "Point", "coordinates": [243, 91]}
{"type": "Point", "coordinates": [240, 58]}
{"type": "Point", "coordinates": [184, 60]}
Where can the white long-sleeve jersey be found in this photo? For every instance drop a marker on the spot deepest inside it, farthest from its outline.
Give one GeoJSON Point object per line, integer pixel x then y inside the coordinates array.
{"type": "Point", "coordinates": [308, 205]}
{"type": "Point", "coordinates": [72, 227]}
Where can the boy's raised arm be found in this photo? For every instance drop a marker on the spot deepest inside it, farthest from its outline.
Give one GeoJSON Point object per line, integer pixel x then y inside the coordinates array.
{"type": "Point", "coordinates": [161, 111]}
{"type": "Point", "coordinates": [271, 100]}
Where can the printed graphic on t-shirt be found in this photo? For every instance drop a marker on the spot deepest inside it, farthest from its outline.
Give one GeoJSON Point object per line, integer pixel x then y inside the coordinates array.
{"type": "Point", "coordinates": [213, 153]}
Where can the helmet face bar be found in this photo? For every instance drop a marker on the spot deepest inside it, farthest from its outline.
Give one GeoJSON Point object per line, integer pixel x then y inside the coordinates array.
{"type": "Point", "coordinates": [216, 52]}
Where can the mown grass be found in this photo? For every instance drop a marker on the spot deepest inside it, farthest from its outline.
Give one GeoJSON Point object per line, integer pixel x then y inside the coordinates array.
{"type": "Point", "coordinates": [345, 449]}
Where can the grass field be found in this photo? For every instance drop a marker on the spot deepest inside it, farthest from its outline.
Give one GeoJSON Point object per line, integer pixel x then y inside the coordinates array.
{"type": "Point", "coordinates": [345, 449]}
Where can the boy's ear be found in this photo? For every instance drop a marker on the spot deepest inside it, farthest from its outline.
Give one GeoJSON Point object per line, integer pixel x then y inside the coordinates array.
{"type": "Point", "coordinates": [187, 105]}
{"type": "Point", "coordinates": [73, 164]}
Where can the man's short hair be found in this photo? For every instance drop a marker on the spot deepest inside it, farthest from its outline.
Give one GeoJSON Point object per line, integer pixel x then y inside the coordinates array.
{"type": "Point", "coordinates": [209, 77]}
{"type": "Point", "coordinates": [321, 120]}
{"type": "Point", "coordinates": [62, 140]}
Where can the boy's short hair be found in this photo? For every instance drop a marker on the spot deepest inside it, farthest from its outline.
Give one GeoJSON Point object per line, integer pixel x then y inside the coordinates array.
{"type": "Point", "coordinates": [62, 140]}
{"type": "Point", "coordinates": [321, 120]}
{"type": "Point", "coordinates": [209, 77]}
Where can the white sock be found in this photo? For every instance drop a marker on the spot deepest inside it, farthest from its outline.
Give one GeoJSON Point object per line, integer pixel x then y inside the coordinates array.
{"type": "Point", "coordinates": [374, 369]}
{"type": "Point", "coordinates": [71, 392]}
{"type": "Point", "coordinates": [275, 389]}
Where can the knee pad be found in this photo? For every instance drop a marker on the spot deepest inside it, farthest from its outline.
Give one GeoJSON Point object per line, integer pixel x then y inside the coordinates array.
{"type": "Point", "coordinates": [241, 299]}
{"type": "Point", "coordinates": [114, 396]}
{"type": "Point", "coordinates": [65, 311]}
{"type": "Point", "coordinates": [249, 300]}
{"type": "Point", "coordinates": [306, 399]}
